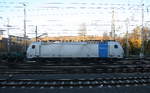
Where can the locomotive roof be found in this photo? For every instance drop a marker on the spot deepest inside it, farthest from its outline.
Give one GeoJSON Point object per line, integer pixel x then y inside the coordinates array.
{"type": "Point", "coordinates": [85, 42]}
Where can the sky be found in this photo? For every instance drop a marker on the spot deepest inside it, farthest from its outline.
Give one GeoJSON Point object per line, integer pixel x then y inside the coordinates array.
{"type": "Point", "coordinates": [67, 17]}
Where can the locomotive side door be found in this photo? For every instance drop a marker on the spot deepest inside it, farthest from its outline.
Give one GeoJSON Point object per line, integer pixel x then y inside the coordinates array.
{"type": "Point", "coordinates": [35, 50]}
{"type": "Point", "coordinates": [115, 50]}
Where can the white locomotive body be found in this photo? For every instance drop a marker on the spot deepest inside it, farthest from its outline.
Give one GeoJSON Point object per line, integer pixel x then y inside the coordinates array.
{"type": "Point", "coordinates": [52, 50]}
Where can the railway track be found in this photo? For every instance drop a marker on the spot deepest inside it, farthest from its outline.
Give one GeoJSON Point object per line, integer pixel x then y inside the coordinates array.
{"type": "Point", "coordinates": [79, 69]}
{"type": "Point", "coordinates": [77, 63]}
{"type": "Point", "coordinates": [76, 83]}
{"type": "Point", "coordinates": [122, 66]}
{"type": "Point", "coordinates": [91, 63]}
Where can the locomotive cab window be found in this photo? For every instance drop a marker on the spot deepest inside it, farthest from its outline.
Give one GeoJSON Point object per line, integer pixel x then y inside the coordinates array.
{"type": "Point", "coordinates": [33, 46]}
{"type": "Point", "coordinates": [115, 46]}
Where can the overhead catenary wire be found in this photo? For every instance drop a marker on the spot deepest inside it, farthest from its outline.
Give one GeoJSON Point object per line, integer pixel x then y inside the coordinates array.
{"type": "Point", "coordinates": [50, 7]}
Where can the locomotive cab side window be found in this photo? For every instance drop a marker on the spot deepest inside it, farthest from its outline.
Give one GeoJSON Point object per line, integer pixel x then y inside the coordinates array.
{"type": "Point", "coordinates": [115, 46]}
{"type": "Point", "coordinates": [33, 46]}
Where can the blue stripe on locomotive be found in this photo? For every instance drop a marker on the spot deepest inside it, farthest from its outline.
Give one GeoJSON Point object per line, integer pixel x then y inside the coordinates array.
{"type": "Point", "coordinates": [103, 49]}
